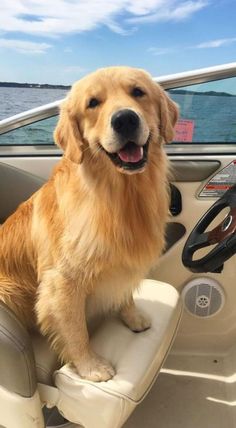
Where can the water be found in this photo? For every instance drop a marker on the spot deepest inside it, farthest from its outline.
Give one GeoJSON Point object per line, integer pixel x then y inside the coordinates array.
{"type": "Point", "coordinates": [214, 116]}
{"type": "Point", "coordinates": [17, 100]}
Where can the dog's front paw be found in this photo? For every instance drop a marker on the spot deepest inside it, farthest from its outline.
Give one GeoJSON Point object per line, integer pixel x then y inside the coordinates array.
{"type": "Point", "coordinates": [136, 320]}
{"type": "Point", "coordinates": [95, 368]}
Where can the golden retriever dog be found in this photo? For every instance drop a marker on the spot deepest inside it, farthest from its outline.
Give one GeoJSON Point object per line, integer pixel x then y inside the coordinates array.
{"type": "Point", "coordinates": [80, 245]}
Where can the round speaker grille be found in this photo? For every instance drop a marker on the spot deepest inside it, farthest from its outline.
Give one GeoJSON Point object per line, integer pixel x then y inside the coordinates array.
{"type": "Point", "coordinates": [203, 297]}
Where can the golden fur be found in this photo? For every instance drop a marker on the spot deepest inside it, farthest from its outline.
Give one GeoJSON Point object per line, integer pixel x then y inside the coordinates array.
{"type": "Point", "coordinates": [82, 243]}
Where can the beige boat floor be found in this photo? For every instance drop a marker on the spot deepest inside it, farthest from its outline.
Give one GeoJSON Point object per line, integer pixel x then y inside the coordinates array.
{"type": "Point", "coordinates": [190, 392]}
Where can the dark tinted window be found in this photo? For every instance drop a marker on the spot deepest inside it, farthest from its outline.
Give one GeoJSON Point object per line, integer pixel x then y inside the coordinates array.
{"type": "Point", "coordinates": [207, 112]}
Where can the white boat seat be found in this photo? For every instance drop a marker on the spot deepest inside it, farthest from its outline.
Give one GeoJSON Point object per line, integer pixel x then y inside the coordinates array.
{"type": "Point", "coordinates": [46, 360]}
{"type": "Point", "coordinates": [137, 358]}
{"type": "Point", "coordinates": [16, 186]}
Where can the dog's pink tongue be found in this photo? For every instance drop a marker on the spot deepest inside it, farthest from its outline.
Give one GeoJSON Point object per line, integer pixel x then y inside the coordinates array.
{"type": "Point", "coordinates": [132, 154]}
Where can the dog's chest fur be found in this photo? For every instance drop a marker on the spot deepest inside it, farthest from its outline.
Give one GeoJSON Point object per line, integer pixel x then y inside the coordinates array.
{"type": "Point", "coordinates": [110, 245]}
{"type": "Point", "coordinates": [110, 238]}
{"type": "Point", "coordinates": [102, 235]}
{"type": "Point", "coordinates": [108, 258]}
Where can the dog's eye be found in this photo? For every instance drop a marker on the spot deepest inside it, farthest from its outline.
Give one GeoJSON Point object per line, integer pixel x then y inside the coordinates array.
{"type": "Point", "coordinates": [137, 92]}
{"type": "Point", "coordinates": [93, 102]}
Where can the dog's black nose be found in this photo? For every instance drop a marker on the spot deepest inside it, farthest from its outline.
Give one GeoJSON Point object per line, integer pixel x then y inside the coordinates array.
{"type": "Point", "coordinates": [125, 122]}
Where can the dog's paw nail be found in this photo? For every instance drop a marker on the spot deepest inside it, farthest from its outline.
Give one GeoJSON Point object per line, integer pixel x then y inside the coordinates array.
{"type": "Point", "coordinates": [142, 326]}
{"type": "Point", "coordinates": [139, 323]}
{"type": "Point", "coordinates": [96, 370]}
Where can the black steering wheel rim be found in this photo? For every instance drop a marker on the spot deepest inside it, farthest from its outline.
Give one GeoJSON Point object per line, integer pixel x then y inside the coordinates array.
{"type": "Point", "coordinates": [223, 235]}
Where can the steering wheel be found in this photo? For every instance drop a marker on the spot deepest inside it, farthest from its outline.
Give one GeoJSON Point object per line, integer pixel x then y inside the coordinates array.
{"type": "Point", "coordinates": [223, 235]}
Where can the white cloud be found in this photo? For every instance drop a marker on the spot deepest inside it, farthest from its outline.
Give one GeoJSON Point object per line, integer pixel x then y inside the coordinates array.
{"type": "Point", "coordinates": [216, 43]}
{"type": "Point", "coordinates": [23, 46]}
{"type": "Point", "coordinates": [54, 18]}
{"type": "Point", "coordinates": [141, 7]}
{"type": "Point", "coordinates": [187, 9]}
{"type": "Point", "coordinates": [204, 45]}
{"type": "Point", "coordinates": [171, 11]}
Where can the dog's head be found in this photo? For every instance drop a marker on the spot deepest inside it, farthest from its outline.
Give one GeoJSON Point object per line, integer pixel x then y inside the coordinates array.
{"type": "Point", "coordinates": [114, 115]}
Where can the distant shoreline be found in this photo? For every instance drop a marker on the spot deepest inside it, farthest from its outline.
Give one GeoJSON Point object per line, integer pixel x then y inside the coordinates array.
{"type": "Point", "coordinates": [67, 87]}
{"type": "Point", "coordinates": [209, 93]}
{"type": "Point", "coordinates": [32, 85]}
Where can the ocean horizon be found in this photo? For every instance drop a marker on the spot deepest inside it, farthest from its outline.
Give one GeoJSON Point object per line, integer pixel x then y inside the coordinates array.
{"type": "Point", "coordinates": [14, 100]}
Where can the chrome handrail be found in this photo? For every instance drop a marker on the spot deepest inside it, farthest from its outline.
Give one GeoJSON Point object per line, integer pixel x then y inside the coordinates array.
{"type": "Point", "coordinates": [195, 77]}
{"type": "Point", "coordinates": [167, 82]}
{"type": "Point", "coordinates": [29, 116]}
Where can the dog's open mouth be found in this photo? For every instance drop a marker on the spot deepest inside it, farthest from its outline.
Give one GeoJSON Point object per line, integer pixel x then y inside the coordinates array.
{"type": "Point", "coordinates": [130, 157]}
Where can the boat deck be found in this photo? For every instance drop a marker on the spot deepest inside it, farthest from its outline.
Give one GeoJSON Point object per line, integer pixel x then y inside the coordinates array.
{"type": "Point", "coordinates": [190, 392]}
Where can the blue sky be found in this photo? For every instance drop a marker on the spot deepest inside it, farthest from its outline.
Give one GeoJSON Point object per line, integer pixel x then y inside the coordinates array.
{"type": "Point", "coordinates": [60, 41]}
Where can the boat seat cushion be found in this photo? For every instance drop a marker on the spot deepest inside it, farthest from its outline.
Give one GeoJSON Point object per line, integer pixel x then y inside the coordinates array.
{"type": "Point", "coordinates": [136, 357]}
{"type": "Point", "coordinates": [17, 365]}
{"type": "Point", "coordinates": [16, 186]}
{"type": "Point", "coordinates": [46, 360]}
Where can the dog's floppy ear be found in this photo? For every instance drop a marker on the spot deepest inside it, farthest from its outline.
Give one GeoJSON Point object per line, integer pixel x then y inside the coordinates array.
{"type": "Point", "coordinates": [169, 114]}
{"type": "Point", "coordinates": [67, 135]}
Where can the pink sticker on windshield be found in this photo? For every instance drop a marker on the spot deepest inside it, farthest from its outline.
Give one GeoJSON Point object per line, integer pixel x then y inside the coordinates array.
{"type": "Point", "coordinates": [184, 131]}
